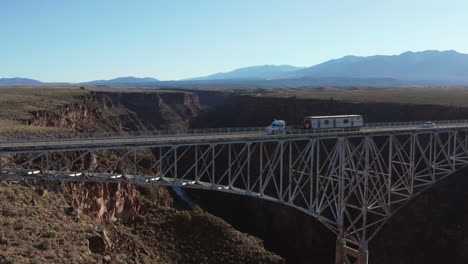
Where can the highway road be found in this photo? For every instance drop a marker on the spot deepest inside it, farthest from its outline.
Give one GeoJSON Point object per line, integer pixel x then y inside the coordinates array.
{"type": "Point", "coordinates": [251, 134]}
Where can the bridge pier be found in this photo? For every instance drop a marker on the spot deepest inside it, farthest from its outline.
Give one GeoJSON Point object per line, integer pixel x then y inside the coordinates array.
{"type": "Point", "coordinates": [340, 250]}
{"type": "Point", "coordinates": [348, 255]}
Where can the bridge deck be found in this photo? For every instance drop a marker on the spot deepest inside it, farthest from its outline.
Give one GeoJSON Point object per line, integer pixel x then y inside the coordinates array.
{"type": "Point", "coordinates": [220, 137]}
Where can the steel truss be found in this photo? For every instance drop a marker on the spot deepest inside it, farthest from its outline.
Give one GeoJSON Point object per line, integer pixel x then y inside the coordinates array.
{"type": "Point", "coordinates": [352, 184]}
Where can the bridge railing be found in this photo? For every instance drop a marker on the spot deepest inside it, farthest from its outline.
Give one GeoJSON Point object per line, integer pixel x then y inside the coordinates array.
{"type": "Point", "coordinates": [414, 123]}
{"type": "Point", "coordinates": [210, 131]}
{"type": "Point", "coordinates": [121, 134]}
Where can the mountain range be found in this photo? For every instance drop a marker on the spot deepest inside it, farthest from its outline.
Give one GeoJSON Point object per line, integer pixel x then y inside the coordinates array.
{"type": "Point", "coordinates": [252, 72]}
{"type": "Point", "coordinates": [18, 81]}
{"type": "Point", "coordinates": [449, 67]}
{"type": "Point", "coordinates": [428, 68]}
{"type": "Point", "coordinates": [123, 80]}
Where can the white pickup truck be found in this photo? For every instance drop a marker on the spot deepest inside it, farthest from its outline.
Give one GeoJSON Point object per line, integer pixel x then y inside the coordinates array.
{"type": "Point", "coordinates": [277, 127]}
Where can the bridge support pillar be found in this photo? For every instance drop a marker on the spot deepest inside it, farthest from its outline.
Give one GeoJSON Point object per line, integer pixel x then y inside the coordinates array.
{"type": "Point", "coordinates": [348, 255]}
{"type": "Point", "coordinates": [363, 256]}
{"type": "Point", "coordinates": [340, 251]}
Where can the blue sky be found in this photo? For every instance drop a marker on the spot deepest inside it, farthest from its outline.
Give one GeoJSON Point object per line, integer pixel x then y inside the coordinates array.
{"type": "Point", "coordinates": [82, 40]}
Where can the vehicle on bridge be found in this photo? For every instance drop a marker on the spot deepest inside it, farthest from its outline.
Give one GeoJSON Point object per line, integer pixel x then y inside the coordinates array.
{"type": "Point", "coordinates": [277, 127]}
{"type": "Point", "coordinates": [428, 124]}
{"type": "Point", "coordinates": [346, 122]}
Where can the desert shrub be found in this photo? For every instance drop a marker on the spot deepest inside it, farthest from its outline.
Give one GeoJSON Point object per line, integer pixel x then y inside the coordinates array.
{"type": "Point", "coordinates": [9, 211]}
{"type": "Point", "coordinates": [29, 251]}
{"type": "Point", "coordinates": [3, 239]}
{"type": "Point", "coordinates": [186, 216]}
{"type": "Point", "coordinates": [46, 244]}
{"type": "Point", "coordinates": [50, 234]}
{"type": "Point", "coordinates": [121, 258]}
{"type": "Point", "coordinates": [145, 259]}
{"type": "Point", "coordinates": [140, 197]}
{"type": "Point", "coordinates": [149, 192]}
{"type": "Point", "coordinates": [29, 212]}
{"type": "Point", "coordinates": [197, 209]}
{"type": "Point", "coordinates": [19, 225]}
{"type": "Point", "coordinates": [23, 235]}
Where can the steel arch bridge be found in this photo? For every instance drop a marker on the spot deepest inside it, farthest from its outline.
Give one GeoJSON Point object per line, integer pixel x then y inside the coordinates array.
{"type": "Point", "coordinates": [351, 181]}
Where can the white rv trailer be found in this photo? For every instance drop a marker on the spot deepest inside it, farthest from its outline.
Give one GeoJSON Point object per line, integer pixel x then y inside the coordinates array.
{"type": "Point", "coordinates": [331, 122]}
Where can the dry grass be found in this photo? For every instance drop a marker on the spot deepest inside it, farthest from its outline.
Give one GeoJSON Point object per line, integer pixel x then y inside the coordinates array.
{"type": "Point", "coordinates": [12, 127]}
{"type": "Point", "coordinates": [18, 103]}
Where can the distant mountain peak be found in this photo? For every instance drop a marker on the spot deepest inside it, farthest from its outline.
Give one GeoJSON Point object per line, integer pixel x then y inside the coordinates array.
{"type": "Point", "coordinates": [18, 81]}
{"type": "Point", "coordinates": [125, 80]}
{"type": "Point", "coordinates": [267, 71]}
{"type": "Point", "coordinates": [432, 52]}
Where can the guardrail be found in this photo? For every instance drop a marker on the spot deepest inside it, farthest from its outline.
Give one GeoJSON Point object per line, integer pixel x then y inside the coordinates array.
{"type": "Point", "coordinates": [118, 134]}
{"type": "Point", "coordinates": [415, 123]}
{"type": "Point", "coordinates": [211, 131]}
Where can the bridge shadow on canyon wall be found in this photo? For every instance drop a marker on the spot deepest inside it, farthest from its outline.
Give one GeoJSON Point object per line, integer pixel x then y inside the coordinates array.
{"type": "Point", "coordinates": [429, 229]}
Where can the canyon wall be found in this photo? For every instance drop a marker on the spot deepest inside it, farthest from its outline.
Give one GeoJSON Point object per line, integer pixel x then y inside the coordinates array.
{"type": "Point", "coordinates": [158, 110]}
{"type": "Point", "coordinates": [254, 111]}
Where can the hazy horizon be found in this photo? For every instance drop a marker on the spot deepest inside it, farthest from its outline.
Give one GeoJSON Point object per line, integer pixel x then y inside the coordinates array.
{"type": "Point", "coordinates": [58, 41]}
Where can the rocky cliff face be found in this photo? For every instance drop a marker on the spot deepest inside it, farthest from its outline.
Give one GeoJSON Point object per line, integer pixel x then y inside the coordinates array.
{"type": "Point", "coordinates": [161, 110]}
{"type": "Point", "coordinates": [109, 111]}
{"type": "Point", "coordinates": [104, 201]}
{"type": "Point", "coordinates": [127, 111]}
{"type": "Point", "coordinates": [92, 113]}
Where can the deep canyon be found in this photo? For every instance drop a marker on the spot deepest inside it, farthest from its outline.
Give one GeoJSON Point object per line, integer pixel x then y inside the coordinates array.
{"type": "Point", "coordinates": [430, 229]}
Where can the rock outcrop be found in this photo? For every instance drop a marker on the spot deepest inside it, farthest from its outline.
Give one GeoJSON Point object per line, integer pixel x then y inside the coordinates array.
{"type": "Point", "coordinates": [104, 201]}
{"type": "Point", "coordinates": [91, 113]}
{"type": "Point", "coordinates": [118, 111]}
{"type": "Point", "coordinates": [159, 110]}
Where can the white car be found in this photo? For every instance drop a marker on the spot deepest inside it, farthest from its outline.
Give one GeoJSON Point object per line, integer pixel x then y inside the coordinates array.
{"type": "Point", "coordinates": [428, 124]}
